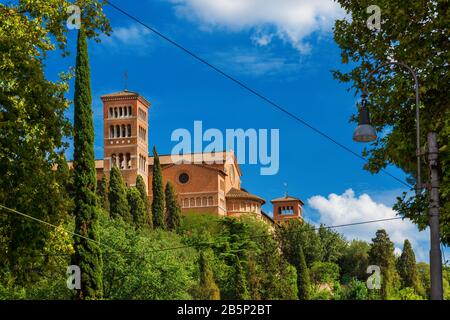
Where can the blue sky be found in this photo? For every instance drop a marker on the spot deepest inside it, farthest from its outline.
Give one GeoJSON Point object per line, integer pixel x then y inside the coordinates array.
{"type": "Point", "coordinates": [281, 49]}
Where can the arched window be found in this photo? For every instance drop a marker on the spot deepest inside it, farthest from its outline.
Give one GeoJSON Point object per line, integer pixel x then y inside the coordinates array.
{"type": "Point", "coordinates": [121, 161]}
{"type": "Point", "coordinates": [198, 202]}
{"type": "Point", "coordinates": [115, 113]}
{"type": "Point", "coordinates": [186, 203]}
{"type": "Point", "coordinates": [129, 111]}
{"type": "Point", "coordinates": [117, 135]}
{"type": "Point", "coordinates": [110, 112]}
{"type": "Point", "coordinates": [113, 160]}
{"type": "Point", "coordinates": [124, 134]}
{"type": "Point", "coordinates": [129, 130]}
{"type": "Point", "coordinates": [120, 111]}
{"type": "Point", "coordinates": [192, 202]}
{"type": "Point", "coordinates": [111, 131]}
{"type": "Point", "coordinates": [204, 201]}
{"type": "Point", "coordinates": [210, 201]}
{"type": "Point", "coordinates": [128, 161]}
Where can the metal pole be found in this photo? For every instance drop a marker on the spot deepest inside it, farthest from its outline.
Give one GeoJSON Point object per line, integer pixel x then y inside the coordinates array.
{"type": "Point", "coordinates": [435, 250]}
{"type": "Point", "coordinates": [416, 85]}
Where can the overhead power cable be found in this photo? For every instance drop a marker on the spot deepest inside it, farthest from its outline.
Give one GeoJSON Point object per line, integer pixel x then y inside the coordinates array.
{"type": "Point", "coordinates": [204, 244]}
{"type": "Point", "coordinates": [252, 91]}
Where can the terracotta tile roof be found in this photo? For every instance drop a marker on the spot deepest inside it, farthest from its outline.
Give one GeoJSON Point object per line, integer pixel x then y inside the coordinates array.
{"type": "Point", "coordinates": [243, 194]}
{"type": "Point", "coordinates": [125, 94]}
{"type": "Point", "coordinates": [286, 198]}
{"type": "Point", "coordinates": [121, 93]}
{"type": "Point", "coordinates": [191, 157]}
{"type": "Point", "coordinates": [207, 158]}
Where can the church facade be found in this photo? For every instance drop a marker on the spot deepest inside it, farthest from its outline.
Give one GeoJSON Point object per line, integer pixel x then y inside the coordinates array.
{"type": "Point", "coordinates": [206, 186]}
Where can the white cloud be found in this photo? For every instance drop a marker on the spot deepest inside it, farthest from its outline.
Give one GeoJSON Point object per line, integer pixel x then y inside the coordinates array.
{"type": "Point", "coordinates": [132, 37]}
{"type": "Point", "coordinates": [348, 208]}
{"type": "Point", "coordinates": [253, 62]}
{"type": "Point", "coordinates": [293, 20]}
{"type": "Point", "coordinates": [262, 38]}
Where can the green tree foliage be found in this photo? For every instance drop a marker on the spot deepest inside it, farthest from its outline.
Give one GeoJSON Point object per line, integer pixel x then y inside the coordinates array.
{"type": "Point", "coordinates": [140, 185]}
{"type": "Point", "coordinates": [33, 127]}
{"type": "Point", "coordinates": [324, 272]}
{"type": "Point", "coordinates": [423, 272]}
{"type": "Point", "coordinates": [173, 211]}
{"type": "Point", "coordinates": [333, 244]}
{"type": "Point", "coordinates": [87, 253]}
{"type": "Point", "coordinates": [295, 238]}
{"type": "Point", "coordinates": [239, 282]}
{"type": "Point", "coordinates": [51, 283]}
{"type": "Point", "coordinates": [446, 282]}
{"type": "Point", "coordinates": [278, 277]}
{"type": "Point", "coordinates": [118, 202]}
{"type": "Point", "coordinates": [158, 193]}
{"type": "Point", "coordinates": [406, 267]}
{"type": "Point", "coordinates": [295, 233]}
{"type": "Point", "coordinates": [254, 279]}
{"type": "Point", "coordinates": [356, 290]}
{"type": "Point", "coordinates": [268, 275]}
{"type": "Point", "coordinates": [137, 268]}
{"type": "Point", "coordinates": [233, 252]}
{"type": "Point", "coordinates": [303, 279]}
{"type": "Point", "coordinates": [137, 207]}
{"type": "Point", "coordinates": [207, 288]}
{"type": "Point", "coordinates": [417, 34]}
{"type": "Point", "coordinates": [381, 253]}
{"type": "Point", "coordinates": [103, 193]}
{"type": "Point", "coordinates": [406, 293]}
{"type": "Point", "coordinates": [354, 261]}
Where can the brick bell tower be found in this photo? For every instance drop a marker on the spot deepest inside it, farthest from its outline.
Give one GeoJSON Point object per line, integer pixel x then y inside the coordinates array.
{"type": "Point", "coordinates": [287, 208]}
{"type": "Point", "coordinates": [125, 118]}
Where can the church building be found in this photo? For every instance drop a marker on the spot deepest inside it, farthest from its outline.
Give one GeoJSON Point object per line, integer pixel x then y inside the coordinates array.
{"type": "Point", "coordinates": [205, 186]}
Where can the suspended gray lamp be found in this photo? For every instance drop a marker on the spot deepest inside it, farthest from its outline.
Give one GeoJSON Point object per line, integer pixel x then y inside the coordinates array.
{"type": "Point", "coordinates": [364, 132]}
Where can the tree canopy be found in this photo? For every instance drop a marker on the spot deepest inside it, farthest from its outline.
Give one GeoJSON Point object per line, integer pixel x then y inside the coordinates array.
{"type": "Point", "coordinates": [416, 33]}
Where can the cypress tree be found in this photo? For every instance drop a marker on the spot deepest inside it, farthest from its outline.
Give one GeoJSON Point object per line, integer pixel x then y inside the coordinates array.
{"type": "Point", "coordinates": [118, 202]}
{"type": "Point", "coordinates": [137, 207]}
{"type": "Point", "coordinates": [406, 267]}
{"type": "Point", "coordinates": [208, 289]}
{"type": "Point", "coordinates": [103, 193]}
{"type": "Point", "coordinates": [381, 253]}
{"type": "Point", "coordinates": [158, 193]}
{"type": "Point", "coordinates": [303, 279]}
{"type": "Point", "coordinates": [173, 211]}
{"type": "Point", "coordinates": [87, 254]}
{"type": "Point", "coordinates": [140, 185]}
{"type": "Point", "coordinates": [240, 283]}
{"type": "Point", "coordinates": [254, 278]}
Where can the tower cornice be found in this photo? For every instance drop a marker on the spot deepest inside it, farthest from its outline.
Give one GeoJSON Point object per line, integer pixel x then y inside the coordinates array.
{"type": "Point", "coordinates": [125, 95]}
